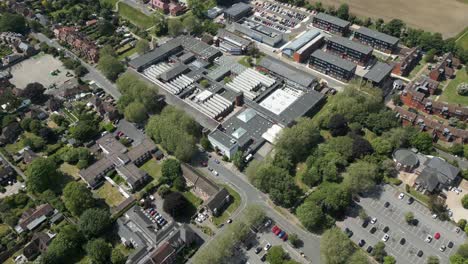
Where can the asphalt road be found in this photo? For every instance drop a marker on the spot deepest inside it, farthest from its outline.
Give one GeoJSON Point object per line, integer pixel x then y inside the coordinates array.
{"type": "Point", "coordinates": [251, 195]}
{"type": "Point", "coordinates": [94, 74]}
{"type": "Point", "coordinates": [393, 218]}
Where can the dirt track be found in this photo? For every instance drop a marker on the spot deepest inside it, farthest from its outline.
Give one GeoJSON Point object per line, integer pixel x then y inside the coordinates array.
{"type": "Point", "coordinates": [448, 17]}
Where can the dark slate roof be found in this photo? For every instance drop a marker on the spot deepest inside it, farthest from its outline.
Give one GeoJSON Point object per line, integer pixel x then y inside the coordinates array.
{"type": "Point", "coordinates": [351, 44]}
{"type": "Point", "coordinates": [428, 178]}
{"type": "Point", "coordinates": [237, 9]}
{"type": "Point", "coordinates": [333, 20]}
{"type": "Point", "coordinates": [378, 35]}
{"type": "Point", "coordinates": [174, 72]}
{"type": "Point", "coordinates": [334, 60]}
{"type": "Point", "coordinates": [444, 167]}
{"type": "Point", "coordinates": [286, 71]}
{"type": "Point", "coordinates": [378, 72]}
{"type": "Point", "coordinates": [406, 157]}
{"type": "Point", "coordinates": [154, 55]}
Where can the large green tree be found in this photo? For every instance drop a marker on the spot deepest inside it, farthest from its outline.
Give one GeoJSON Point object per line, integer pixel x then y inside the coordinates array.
{"type": "Point", "coordinates": [335, 247]}
{"type": "Point", "coordinates": [311, 216]}
{"type": "Point", "coordinates": [99, 251]}
{"type": "Point", "coordinates": [43, 175]}
{"type": "Point", "coordinates": [422, 141]}
{"type": "Point", "coordinates": [77, 198]}
{"type": "Point", "coordinates": [84, 130]}
{"type": "Point", "coordinates": [142, 46]}
{"type": "Point", "coordinates": [110, 66]}
{"type": "Point", "coordinates": [276, 255]}
{"type": "Point", "coordinates": [361, 176]}
{"type": "Point", "coordinates": [66, 245]}
{"type": "Point", "coordinates": [94, 221]}
{"type": "Point", "coordinates": [135, 112]}
{"type": "Point", "coordinates": [13, 23]}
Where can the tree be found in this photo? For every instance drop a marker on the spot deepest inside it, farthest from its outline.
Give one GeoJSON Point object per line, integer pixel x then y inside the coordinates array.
{"type": "Point", "coordinates": [99, 251]}
{"type": "Point", "coordinates": [206, 144]}
{"type": "Point", "coordinates": [13, 23]}
{"type": "Point", "coordinates": [343, 11]}
{"type": "Point", "coordinates": [464, 201]}
{"type": "Point", "coordinates": [276, 255]}
{"type": "Point", "coordinates": [311, 216]}
{"type": "Point", "coordinates": [379, 252]}
{"type": "Point", "coordinates": [111, 67]}
{"type": "Point", "coordinates": [463, 250]}
{"type": "Point", "coordinates": [105, 28]}
{"type": "Point", "coordinates": [422, 141]}
{"type": "Point", "coordinates": [361, 176]}
{"type": "Point", "coordinates": [253, 215]}
{"type": "Point", "coordinates": [338, 125]}
{"type": "Point", "coordinates": [175, 27]}
{"type": "Point", "coordinates": [84, 130]}
{"type": "Point", "coordinates": [191, 24]}
{"type": "Point", "coordinates": [94, 221]}
{"type": "Point", "coordinates": [164, 190]}
{"type": "Point", "coordinates": [361, 147]}
{"type": "Point", "coordinates": [461, 224]}
{"type": "Point", "coordinates": [160, 25]}
{"type": "Point", "coordinates": [238, 160]}
{"type": "Point", "coordinates": [42, 175]}
{"type": "Point", "coordinates": [333, 198]}
{"type": "Point", "coordinates": [180, 184]}
{"type": "Point", "coordinates": [117, 257]}
{"type": "Point", "coordinates": [335, 247]}
{"type": "Point", "coordinates": [135, 112]}
{"type": "Point", "coordinates": [433, 260]}
{"type": "Point", "coordinates": [142, 46]}
{"type": "Point", "coordinates": [359, 257]}
{"type": "Point", "coordinates": [33, 91]}
{"type": "Point", "coordinates": [409, 218]}
{"type": "Point", "coordinates": [389, 260]}
{"type": "Point", "coordinates": [170, 170]}
{"type": "Point", "coordinates": [430, 56]}
{"type": "Point", "coordinates": [77, 198]}
{"type": "Point", "coordinates": [381, 145]}
{"type": "Point", "coordinates": [394, 27]}
{"type": "Point", "coordinates": [382, 121]}
{"type": "Point", "coordinates": [294, 240]}
{"type": "Point", "coordinates": [174, 204]}
{"type": "Point", "coordinates": [66, 245]}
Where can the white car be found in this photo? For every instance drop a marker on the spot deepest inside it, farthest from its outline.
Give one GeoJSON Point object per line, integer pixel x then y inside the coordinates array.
{"type": "Point", "coordinates": [215, 173]}
{"type": "Point", "coordinates": [267, 247]}
{"type": "Point", "coordinates": [385, 238]}
{"type": "Point", "coordinates": [442, 248]}
{"type": "Point", "coordinates": [428, 239]}
{"type": "Point", "coordinates": [401, 196]}
{"type": "Point", "coordinates": [373, 220]}
{"type": "Point", "coordinates": [434, 216]}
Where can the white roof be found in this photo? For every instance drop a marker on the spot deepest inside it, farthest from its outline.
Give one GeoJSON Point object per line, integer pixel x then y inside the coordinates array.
{"type": "Point", "coordinates": [278, 101]}
{"type": "Point", "coordinates": [203, 95]}
{"type": "Point", "coordinates": [272, 133]}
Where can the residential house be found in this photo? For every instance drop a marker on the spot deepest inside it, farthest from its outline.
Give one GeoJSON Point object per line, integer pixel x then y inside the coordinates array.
{"type": "Point", "coordinates": [331, 23]}
{"type": "Point", "coordinates": [10, 133]}
{"type": "Point", "coordinates": [78, 41]}
{"type": "Point", "coordinates": [6, 172]}
{"type": "Point", "coordinates": [332, 65]}
{"type": "Point", "coordinates": [172, 7]}
{"type": "Point", "coordinates": [214, 197]}
{"type": "Point", "coordinates": [406, 61]}
{"type": "Point", "coordinates": [33, 217]}
{"type": "Point", "coordinates": [118, 157]}
{"type": "Point", "coordinates": [38, 244]}
{"type": "Point", "coordinates": [349, 50]}
{"type": "Point", "coordinates": [445, 69]}
{"type": "Point", "coordinates": [375, 39]}
{"type": "Point", "coordinates": [11, 38]}
{"type": "Point", "coordinates": [106, 109]}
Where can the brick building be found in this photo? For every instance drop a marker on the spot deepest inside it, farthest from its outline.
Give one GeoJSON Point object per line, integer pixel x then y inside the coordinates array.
{"type": "Point", "coordinates": [78, 41]}
{"type": "Point", "coordinates": [330, 23]}
{"type": "Point", "coordinates": [445, 69]}
{"type": "Point", "coordinates": [406, 61]}
{"type": "Point", "coordinates": [349, 50]}
{"type": "Point", "coordinates": [375, 39]}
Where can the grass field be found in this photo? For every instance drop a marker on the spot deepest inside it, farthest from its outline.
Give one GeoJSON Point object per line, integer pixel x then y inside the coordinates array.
{"type": "Point", "coordinates": [462, 39]}
{"type": "Point", "coordinates": [110, 194]}
{"type": "Point", "coordinates": [110, 2]}
{"type": "Point", "coordinates": [69, 169]}
{"type": "Point", "coordinates": [135, 16]}
{"type": "Point", "coordinates": [450, 94]}
{"type": "Point", "coordinates": [447, 17]}
{"type": "Point", "coordinates": [153, 168]}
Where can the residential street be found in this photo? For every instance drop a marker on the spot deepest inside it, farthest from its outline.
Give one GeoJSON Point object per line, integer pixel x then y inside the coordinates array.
{"type": "Point", "coordinates": [94, 74]}
{"type": "Point", "coordinates": [252, 195]}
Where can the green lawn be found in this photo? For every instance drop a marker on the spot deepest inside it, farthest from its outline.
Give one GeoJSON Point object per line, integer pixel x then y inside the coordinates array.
{"type": "Point", "coordinates": [300, 168]}
{"type": "Point", "coordinates": [421, 197]}
{"type": "Point", "coordinates": [192, 198]}
{"type": "Point", "coordinates": [110, 2]}
{"type": "Point", "coordinates": [128, 53]}
{"type": "Point", "coordinates": [110, 194]}
{"type": "Point", "coordinates": [416, 69]}
{"type": "Point", "coordinates": [235, 202]}
{"type": "Point", "coordinates": [153, 168]}
{"type": "Point", "coordinates": [450, 94]}
{"type": "Point", "coordinates": [462, 39]}
{"type": "Point", "coordinates": [4, 51]}
{"type": "Point", "coordinates": [135, 16]}
{"type": "Point", "coordinates": [69, 169]}
{"type": "Point", "coordinates": [243, 61]}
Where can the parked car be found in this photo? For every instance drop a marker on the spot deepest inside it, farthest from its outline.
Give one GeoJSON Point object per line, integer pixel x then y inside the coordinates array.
{"type": "Point", "coordinates": [267, 247]}
{"type": "Point", "coordinates": [386, 204]}
{"type": "Point", "coordinates": [442, 248]}
{"type": "Point", "coordinates": [428, 239]}
{"type": "Point", "coordinates": [267, 222]}
{"type": "Point", "coordinates": [263, 258]}
{"type": "Point", "coordinates": [420, 253]}
{"type": "Point", "coordinates": [385, 238]}
{"type": "Point", "coordinates": [362, 242]}
{"type": "Point", "coordinates": [285, 237]}
{"type": "Point", "coordinates": [410, 200]}
{"type": "Point", "coordinates": [281, 234]}
{"type": "Point", "coordinates": [257, 250]}
{"type": "Point", "coordinates": [385, 230]}
{"type": "Point", "coordinates": [437, 235]}
{"type": "Point", "coordinates": [369, 249]}
{"type": "Point", "coordinates": [274, 228]}
{"type": "Point", "coordinates": [348, 232]}
{"type": "Point", "coordinates": [373, 220]}
{"type": "Point", "coordinates": [401, 196]}
{"type": "Point", "coordinates": [402, 241]}
{"type": "Point", "coordinates": [373, 229]}
{"type": "Point", "coordinates": [450, 244]}
{"type": "Point", "coordinates": [365, 223]}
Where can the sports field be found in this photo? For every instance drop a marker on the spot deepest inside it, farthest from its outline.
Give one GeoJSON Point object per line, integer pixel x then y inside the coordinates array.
{"type": "Point", "coordinates": [448, 17]}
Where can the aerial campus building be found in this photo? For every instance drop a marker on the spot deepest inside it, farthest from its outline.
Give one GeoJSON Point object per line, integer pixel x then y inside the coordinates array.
{"type": "Point", "coordinates": [332, 65]}
{"type": "Point", "coordinates": [301, 48]}
{"type": "Point", "coordinates": [349, 50]}
{"type": "Point", "coordinates": [331, 23]}
{"type": "Point", "coordinates": [375, 39]}
{"type": "Point", "coordinates": [259, 32]}
{"type": "Point", "coordinates": [231, 43]}
{"type": "Point", "coordinates": [249, 107]}
{"type": "Point", "coordinates": [237, 11]}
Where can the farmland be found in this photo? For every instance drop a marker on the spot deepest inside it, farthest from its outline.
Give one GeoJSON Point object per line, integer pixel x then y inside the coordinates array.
{"type": "Point", "coordinates": [447, 17]}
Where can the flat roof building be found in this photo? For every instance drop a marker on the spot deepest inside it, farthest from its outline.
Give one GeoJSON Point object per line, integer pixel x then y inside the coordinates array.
{"type": "Point", "coordinates": [349, 50]}
{"type": "Point", "coordinates": [259, 32]}
{"type": "Point", "coordinates": [332, 65]}
{"type": "Point", "coordinates": [286, 71]}
{"type": "Point", "coordinates": [300, 48]}
{"type": "Point", "coordinates": [331, 23]}
{"type": "Point", "coordinates": [375, 39]}
{"type": "Point", "coordinates": [156, 55]}
{"type": "Point", "coordinates": [378, 74]}
{"type": "Point", "coordinates": [231, 43]}
{"type": "Point", "coordinates": [237, 11]}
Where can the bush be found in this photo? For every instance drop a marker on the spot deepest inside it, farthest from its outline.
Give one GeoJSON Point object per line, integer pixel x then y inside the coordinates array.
{"type": "Point", "coordinates": [465, 201]}
{"type": "Point", "coordinates": [462, 89]}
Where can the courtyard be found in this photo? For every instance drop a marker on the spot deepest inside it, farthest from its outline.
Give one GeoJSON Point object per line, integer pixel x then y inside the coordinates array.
{"type": "Point", "coordinates": [39, 69]}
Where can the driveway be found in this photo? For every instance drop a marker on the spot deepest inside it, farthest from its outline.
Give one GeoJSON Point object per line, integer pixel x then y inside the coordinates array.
{"type": "Point", "coordinates": [131, 131]}
{"type": "Point", "coordinates": [394, 218]}
{"type": "Point", "coordinates": [454, 202]}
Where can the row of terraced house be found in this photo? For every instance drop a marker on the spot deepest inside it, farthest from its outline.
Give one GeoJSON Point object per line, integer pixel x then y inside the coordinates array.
{"type": "Point", "coordinates": [78, 41]}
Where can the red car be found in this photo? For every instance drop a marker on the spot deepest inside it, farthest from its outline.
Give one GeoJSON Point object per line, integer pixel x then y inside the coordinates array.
{"type": "Point", "coordinates": [437, 235]}
{"type": "Point", "coordinates": [274, 228]}
{"type": "Point", "coordinates": [278, 231]}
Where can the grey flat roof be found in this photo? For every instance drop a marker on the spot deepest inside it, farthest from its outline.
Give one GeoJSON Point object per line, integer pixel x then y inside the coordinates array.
{"type": "Point", "coordinates": [237, 9]}
{"type": "Point", "coordinates": [305, 38]}
{"type": "Point", "coordinates": [154, 55]}
{"type": "Point", "coordinates": [222, 33]}
{"type": "Point", "coordinates": [287, 71]}
{"type": "Point", "coordinates": [334, 60]}
{"type": "Point", "coordinates": [351, 44]}
{"type": "Point", "coordinates": [332, 19]}
{"type": "Point", "coordinates": [378, 72]}
{"type": "Point", "coordinates": [378, 35]}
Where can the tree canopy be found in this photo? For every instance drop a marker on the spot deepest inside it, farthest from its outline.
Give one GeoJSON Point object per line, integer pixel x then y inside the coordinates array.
{"type": "Point", "coordinates": [94, 221]}
{"type": "Point", "coordinates": [135, 112]}
{"type": "Point", "coordinates": [43, 175]}
{"type": "Point", "coordinates": [110, 66]}
{"type": "Point", "coordinates": [99, 251]}
{"type": "Point", "coordinates": [77, 198]}
{"type": "Point", "coordinates": [13, 23]}
{"type": "Point", "coordinates": [335, 247]}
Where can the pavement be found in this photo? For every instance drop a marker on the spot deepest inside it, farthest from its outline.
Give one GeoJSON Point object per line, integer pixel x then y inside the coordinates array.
{"type": "Point", "coordinates": [94, 74]}
{"type": "Point", "coordinates": [131, 131]}
{"type": "Point", "coordinates": [11, 189]}
{"type": "Point", "coordinates": [251, 195]}
{"type": "Point", "coordinates": [393, 217]}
